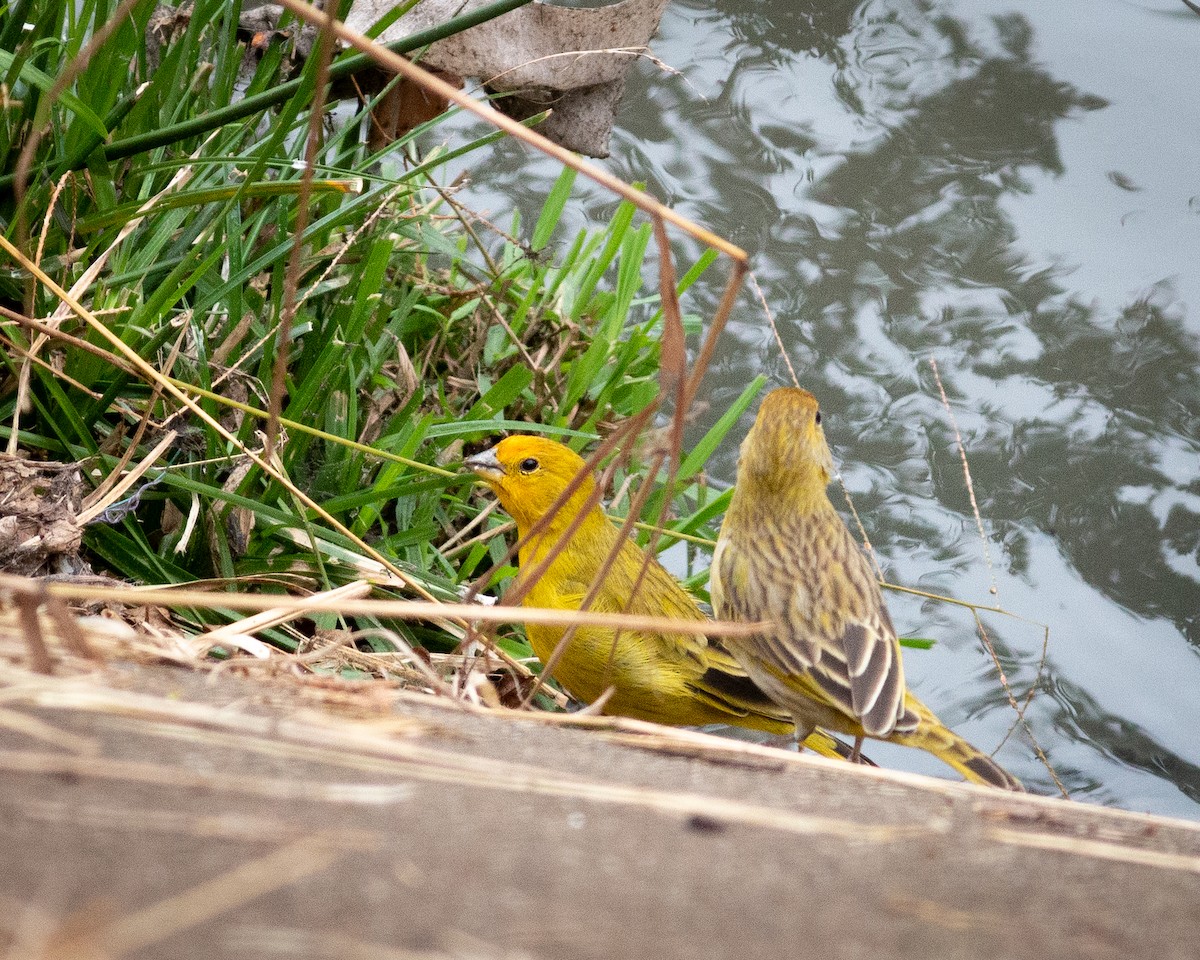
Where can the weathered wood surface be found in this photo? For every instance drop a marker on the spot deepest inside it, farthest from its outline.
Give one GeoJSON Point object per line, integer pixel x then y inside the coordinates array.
{"type": "Point", "coordinates": [155, 812]}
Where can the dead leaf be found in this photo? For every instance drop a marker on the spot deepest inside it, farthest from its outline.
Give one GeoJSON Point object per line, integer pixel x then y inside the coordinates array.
{"type": "Point", "coordinates": [39, 504]}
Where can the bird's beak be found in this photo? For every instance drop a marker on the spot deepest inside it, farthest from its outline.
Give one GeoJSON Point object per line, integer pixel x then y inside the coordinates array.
{"type": "Point", "coordinates": [485, 465]}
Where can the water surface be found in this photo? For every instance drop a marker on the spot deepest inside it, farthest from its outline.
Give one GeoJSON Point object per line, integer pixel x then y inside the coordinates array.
{"type": "Point", "coordinates": [1010, 189]}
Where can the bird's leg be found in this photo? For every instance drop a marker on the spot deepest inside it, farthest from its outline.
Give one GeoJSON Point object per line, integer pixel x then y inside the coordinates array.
{"type": "Point", "coordinates": [856, 753]}
{"type": "Point", "coordinates": [802, 732]}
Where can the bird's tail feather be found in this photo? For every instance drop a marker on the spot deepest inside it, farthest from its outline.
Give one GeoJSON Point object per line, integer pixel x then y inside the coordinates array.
{"type": "Point", "coordinates": [934, 737]}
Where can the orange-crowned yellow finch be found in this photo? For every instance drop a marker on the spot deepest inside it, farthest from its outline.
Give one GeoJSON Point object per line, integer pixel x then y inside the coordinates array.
{"type": "Point", "coordinates": [830, 655]}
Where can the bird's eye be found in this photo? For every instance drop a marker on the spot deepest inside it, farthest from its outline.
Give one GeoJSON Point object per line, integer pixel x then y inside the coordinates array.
{"type": "Point", "coordinates": [818, 417]}
{"type": "Point", "coordinates": [529, 464]}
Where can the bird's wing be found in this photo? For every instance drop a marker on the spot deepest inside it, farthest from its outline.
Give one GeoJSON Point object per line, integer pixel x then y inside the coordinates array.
{"type": "Point", "coordinates": [858, 663]}
{"type": "Point", "coordinates": [653, 593]}
{"type": "Point", "coordinates": [725, 684]}
{"type": "Point", "coordinates": [859, 672]}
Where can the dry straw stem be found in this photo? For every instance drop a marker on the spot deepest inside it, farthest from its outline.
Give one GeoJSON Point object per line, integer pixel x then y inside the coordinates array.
{"type": "Point", "coordinates": [293, 942]}
{"type": "Point", "coordinates": [28, 597]}
{"type": "Point", "coordinates": [92, 932]}
{"type": "Point", "coordinates": [398, 609]}
{"type": "Point", "coordinates": [1097, 849]}
{"type": "Point", "coordinates": [13, 721]}
{"type": "Point", "coordinates": [966, 469]}
{"type": "Point", "coordinates": [932, 913]}
{"type": "Point", "coordinates": [275, 616]}
{"type": "Point", "coordinates": [97, 505]}
{"type": "Point", "coordinates": [983, 634]}
{"type": "Point", "coordinates": [80, 287]}
{"type": "Point", "coordinates": [403, 665]}
{"type": "Point", "coordinates": [291, 279]}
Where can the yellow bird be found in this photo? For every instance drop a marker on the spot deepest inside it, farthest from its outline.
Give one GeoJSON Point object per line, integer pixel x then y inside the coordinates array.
{"type": "Point", "coordinates": [785, 556]}
{"type": "Point", "coordinates": [682, 679]}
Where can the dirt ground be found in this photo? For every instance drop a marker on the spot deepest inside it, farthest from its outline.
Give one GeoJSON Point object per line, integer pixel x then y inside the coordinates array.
{"type": "Point", "coordinates": [160, 812]}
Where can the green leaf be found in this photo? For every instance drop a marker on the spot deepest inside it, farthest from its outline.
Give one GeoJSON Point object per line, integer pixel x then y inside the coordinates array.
{"type": "Point", "coordinates": [552, 209]}
{"type": "Point", "coordinates": [44, 82]}
{"type": "Point", "coordinates": [503, 393]}
{"type": "Point", "coordinates": [467, 428]}
{"type": "Point", "coordinates": [700, 453]}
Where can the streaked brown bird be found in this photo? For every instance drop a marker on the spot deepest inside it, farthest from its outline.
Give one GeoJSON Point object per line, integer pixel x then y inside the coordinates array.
{"type": "Point", "coordinates": [785, 556]}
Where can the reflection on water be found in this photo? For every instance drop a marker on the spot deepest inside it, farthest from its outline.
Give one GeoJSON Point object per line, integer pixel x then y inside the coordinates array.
{"type": "Point", "coordinates": [922, 180]}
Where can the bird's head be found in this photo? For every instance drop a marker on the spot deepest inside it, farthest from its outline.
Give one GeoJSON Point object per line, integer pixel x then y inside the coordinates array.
{"type": "Point", "coordinates": [529, 473]}
{"type": "Point", "coordinates": [785, 450]}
